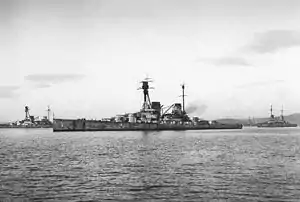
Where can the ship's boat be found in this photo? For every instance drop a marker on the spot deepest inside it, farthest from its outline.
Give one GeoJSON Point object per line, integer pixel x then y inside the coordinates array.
{"type": "Point", "coordinates": [276, 122]}
{"type": "Point", "coordinates": [152, 117]}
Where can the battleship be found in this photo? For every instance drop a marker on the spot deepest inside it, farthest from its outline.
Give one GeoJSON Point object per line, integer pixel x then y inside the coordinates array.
{"type": "Point", "coordinates": [276, 122]}
{"type": "Point", "coordinates": [30, 121]}
{"type": "Point", "coordinates": [152, 117]}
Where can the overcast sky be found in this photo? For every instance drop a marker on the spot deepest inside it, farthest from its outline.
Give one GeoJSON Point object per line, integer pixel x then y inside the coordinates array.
{"type": "Point", "coordinates": [86, 58]}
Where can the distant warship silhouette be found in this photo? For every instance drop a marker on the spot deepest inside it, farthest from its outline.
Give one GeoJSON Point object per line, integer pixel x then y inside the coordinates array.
{"type": "Point", "coordinates": [30, 121]}
{"type": "Point", "coordinates": [276, 122]}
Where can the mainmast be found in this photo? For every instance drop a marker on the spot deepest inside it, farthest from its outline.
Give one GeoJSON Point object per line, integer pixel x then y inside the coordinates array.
{"type": "Point", "coordinates": [183, 95]}
{"type": "Point", "coordinates": [282, 113]}
{"type": "Point", "coordinates": [271, 110]}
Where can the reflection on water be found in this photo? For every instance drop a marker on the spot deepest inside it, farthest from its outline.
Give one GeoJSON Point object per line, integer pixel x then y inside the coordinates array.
{"type": "Point", "coordinates": [234, 165]}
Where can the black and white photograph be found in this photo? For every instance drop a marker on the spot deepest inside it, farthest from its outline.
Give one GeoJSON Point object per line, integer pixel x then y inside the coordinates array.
{"type": "Point", "coordinates": [149, 100]}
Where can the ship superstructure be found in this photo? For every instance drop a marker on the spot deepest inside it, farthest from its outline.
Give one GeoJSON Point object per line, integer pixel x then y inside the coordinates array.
{"type": "Point", "coordinates": [276, 121]}
{"type": "Point", "coordinates": [154, 112]}
{"type": "Point", "coordinates": [151, 116]}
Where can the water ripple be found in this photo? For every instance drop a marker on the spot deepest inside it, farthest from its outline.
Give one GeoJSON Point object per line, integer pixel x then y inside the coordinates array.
{"type": "Point", "coordinates": [252, 165]}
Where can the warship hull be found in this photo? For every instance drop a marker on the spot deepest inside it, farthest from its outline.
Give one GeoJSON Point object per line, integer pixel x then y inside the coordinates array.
{"type": "Point", "coordinates": [20, 126]}
{"type": "Point", "coordinates": [266, 125]}
{"type": "Point", "coordinates": [69, 125]}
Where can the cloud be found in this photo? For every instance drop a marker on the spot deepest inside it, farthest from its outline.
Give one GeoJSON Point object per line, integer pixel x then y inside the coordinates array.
{"type": "Point", "coordinates": [42, 85]}
{"type": "Point", "coordinates": [224, 61]}
{"type": "Point", "coordinates": [8, 91]}
{"type": "Point", "coordinates": [261, 83]}
{"type": "Point", "coordinates": [274, 40]}
{"type": "Point", "coordinates": [47, 80]}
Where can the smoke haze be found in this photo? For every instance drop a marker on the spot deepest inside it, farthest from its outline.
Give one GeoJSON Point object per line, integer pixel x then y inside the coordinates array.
{"type": "Point", "coordinates": [196, 108]}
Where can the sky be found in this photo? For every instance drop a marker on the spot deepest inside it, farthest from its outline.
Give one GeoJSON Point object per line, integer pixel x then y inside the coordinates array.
{"type": "Point", "coordinates": [86, 58]}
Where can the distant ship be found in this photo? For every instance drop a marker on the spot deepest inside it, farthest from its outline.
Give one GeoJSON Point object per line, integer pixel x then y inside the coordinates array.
{"type": "Point", "coordinates": [30, 121]}
{"type": "Point", "coordinates": [275, 122]}
{"type": "Point", "coordinates": [152, 117]}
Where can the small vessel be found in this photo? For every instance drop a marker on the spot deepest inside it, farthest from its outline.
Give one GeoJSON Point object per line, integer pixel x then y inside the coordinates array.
{"type": "Point", "coordinates": [275, 122]}
{"type": "Point", "coordinates": [152, 117]}
{"type": "Point", "coordinates": [30, 121]}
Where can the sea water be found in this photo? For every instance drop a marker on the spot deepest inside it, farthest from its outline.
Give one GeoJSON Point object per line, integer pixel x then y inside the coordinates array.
{"type": "Point", "coordinates": [231, 165]}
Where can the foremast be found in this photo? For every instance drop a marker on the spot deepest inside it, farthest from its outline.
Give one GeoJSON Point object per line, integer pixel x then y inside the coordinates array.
{"type": "Point", "coordinates": [145, 87]}
{"type": "Point", "coordinates": [150, 111]}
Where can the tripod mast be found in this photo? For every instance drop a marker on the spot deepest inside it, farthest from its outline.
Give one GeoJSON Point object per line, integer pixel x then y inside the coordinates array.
{"type": "Point", "coordinates": [145, 87]}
